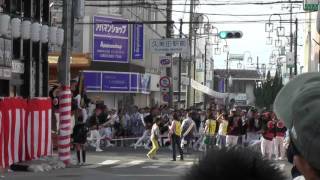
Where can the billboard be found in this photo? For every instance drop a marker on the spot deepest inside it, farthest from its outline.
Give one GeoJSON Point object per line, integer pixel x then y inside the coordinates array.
{"type": "Point", "coordinates": [110, 39]}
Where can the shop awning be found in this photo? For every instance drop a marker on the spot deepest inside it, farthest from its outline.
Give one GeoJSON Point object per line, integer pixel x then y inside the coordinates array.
{"type": "Point", "coordinates": [204, 89]}
{"type": "Point", "coordinates": [78, 60]}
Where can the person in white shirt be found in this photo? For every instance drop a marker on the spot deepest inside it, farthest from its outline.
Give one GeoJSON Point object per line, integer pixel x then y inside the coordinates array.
{"type": "Point", "coordinates": [155, 133]}
{"type": "Point", "coordinates": [146, 134]}
{"type": "Point", "coordinates": [222, 132]}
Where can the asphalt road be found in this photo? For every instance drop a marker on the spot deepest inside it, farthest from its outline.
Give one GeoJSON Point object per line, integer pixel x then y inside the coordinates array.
{"type": "Point", "coordinates": [122, 164]}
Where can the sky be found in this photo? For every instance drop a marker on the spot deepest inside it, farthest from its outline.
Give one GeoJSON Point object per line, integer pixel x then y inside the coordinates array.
{"type": "Point", "coordinates": [253, 42]}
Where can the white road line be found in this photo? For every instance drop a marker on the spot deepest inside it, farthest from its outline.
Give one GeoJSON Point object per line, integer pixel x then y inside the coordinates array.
{"type": "Point", "coordinates": [281, 166]}
{"type": "Point", "coordinates": [184, 165]}
{"type": "Point", "coordinates": [129, 164]}
{"type": "Point", "coordinates": [150, 167]}
{"type": "Point", "coordinates": [104, 163]}
{"type": "Point", "coordinates": [108, 162]}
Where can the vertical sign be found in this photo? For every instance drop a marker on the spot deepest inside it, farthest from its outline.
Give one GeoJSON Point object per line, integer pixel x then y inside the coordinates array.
{"type": "Point", "coordinates": [137, 42]}
{"type": "Point", "coordinates": [221, 85]}
{"type": "Point", "coordinates": [110, 39]}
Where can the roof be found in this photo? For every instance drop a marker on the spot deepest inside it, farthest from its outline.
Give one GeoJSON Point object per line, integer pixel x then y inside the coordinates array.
{"type": "Point", "coordinates": [237, 73]}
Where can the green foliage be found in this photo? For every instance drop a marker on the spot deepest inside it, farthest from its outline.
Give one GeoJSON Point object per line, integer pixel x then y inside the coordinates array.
{"type": "Point", "coordinates": [266, 92]}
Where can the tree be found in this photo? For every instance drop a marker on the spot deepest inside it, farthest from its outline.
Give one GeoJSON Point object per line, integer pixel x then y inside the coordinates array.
{"type": "Point", "coordinates": [266, 92]}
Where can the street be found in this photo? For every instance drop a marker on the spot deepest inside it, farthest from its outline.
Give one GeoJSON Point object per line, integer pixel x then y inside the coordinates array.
{"type": "Point", "coordinates": [123, 164]}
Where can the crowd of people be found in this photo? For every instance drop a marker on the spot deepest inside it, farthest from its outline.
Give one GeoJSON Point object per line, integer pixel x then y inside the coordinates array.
{"type": "Point", "coordinates": [184, 130]}
{"type": "Point", "coordinates": [216, 127]}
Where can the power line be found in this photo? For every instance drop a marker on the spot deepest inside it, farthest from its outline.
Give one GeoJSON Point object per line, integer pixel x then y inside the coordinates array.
{"type": "Point", "coordinates": [209, 14]}
{"type": "Point", "coordinates": [185, 22]}
{"type": "Point", "coordinates": [208, 4]}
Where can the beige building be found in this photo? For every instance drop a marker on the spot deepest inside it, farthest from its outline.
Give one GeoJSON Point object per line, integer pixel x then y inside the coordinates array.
{"type": "Point", "coordinates": [311, 48]}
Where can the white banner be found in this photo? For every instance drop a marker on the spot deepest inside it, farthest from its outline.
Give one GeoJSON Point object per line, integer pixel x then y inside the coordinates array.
{"type": "Point", "coordinates": [204, 89]}
{"type": "Point", "coordinates": [169, 46]}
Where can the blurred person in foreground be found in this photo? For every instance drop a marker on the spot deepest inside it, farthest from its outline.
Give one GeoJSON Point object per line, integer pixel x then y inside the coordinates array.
{"type": "Point", "coordinates": [234, 163]}
{"type": "Point", "coordinates": [297, 104]}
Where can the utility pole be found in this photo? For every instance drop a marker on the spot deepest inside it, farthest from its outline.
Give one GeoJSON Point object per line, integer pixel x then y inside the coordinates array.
{"type": "Point", "coordinates": [179, 64]}
{"type": "Point", "coordinates": [190, 55]}
{"type": "Point", "coordinates": [296, 50]}
{"type": "Point", "coordinates": [194, 64]}
{"type": "Point", "coordinates": [205, 73]}
{"type": "Point", "coordinates": [65, 92]}
{"type": "Point", "coordinates": [291, 35]}
{"type": "Point", "coordinates": [227, 89]}
{"type": "Point", "coordinates": [227, 81]}
{"type": "Point", "coordinates": [169, 30]}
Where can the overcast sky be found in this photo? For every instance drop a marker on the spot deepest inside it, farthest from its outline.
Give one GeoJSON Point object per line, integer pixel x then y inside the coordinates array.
{"type": "Point", "coordinates": [254, 35]}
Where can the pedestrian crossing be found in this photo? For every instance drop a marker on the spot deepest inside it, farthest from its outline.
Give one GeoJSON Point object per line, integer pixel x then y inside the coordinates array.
{"type": "Point", "coordinates": [144, 164]}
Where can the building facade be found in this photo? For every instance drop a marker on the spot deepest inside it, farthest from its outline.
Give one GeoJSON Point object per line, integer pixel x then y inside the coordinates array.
{"type": "Point", "coordinates": [242, 87]}
{"type": "Point", "coordinates": [311, 48]}
{"type": "Point", "coordinates": [122, 70]}
{"type": "Point", "coordinates": [23, 62]}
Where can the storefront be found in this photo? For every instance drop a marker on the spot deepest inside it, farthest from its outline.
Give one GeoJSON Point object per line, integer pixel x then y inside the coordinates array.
{"type": "Point", "coordinates": [118, 89]}
{"type": "Point", "coordinates": [79, 62]}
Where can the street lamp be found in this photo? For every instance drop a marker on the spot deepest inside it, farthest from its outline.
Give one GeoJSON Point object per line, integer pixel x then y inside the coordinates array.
{"type": "Point", "coordinates": [225, 46]}
{"type": "Point", "coordinates": [269, 39]}
{"type": "Point", "coordinates": [279, 30]}
{"type": "Point", "coordinates": [278, 42]}
{"type": "Point", "coordinates": [249, 59]}
{"type": "Point", "coordinates": [216, 39]}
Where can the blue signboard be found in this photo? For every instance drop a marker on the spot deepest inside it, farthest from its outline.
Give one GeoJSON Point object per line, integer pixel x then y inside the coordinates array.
{"type": "Point", "coordinates": [134, 82]}
{"type": "Point", "coordinates": [92, 81]}
{"type": "Point", "coordinates": [137, 42]}
{"type": "Point", "coordinates": [118, 82]}
{"type": "Point", "coordinates": [115, 82]}
{"type": "Point", "coordinates": [110, 41]}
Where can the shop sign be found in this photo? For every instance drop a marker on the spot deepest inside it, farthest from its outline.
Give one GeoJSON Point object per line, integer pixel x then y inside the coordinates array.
{"type": "Point", "coordinates": [110, 39]}
{"type": "Point", "coordinates": [137, 42]}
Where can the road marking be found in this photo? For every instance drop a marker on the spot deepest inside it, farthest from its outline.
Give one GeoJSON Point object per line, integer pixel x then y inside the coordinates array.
{"type": "Point", "coordinates": [281, 166]}
{"type": "Point", "coordinates": [150, 167]}
{"type": "Point", "coordinates": [129, 164]}
{"type": "Point", "coordinates": [148, 175]}
{"type": "Point", "coordinates": [104, 163]}
{"type": "Point", "coordinates": [108, 162]}
{"type": "Point", "coordinates": [184, 165]}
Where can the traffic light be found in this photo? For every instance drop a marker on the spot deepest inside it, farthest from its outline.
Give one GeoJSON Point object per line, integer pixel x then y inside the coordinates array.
{"type": "Point", "coordinates": [230, 34]}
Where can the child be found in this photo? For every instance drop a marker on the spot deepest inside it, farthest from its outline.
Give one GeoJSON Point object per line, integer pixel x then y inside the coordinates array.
{"type": "Point", "coordinates": [155, 132]}
{"type": "Point", "coordinates": [79, 139]}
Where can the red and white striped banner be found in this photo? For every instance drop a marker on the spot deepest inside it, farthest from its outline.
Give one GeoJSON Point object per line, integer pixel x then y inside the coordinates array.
{"type": "Point", "coordinates": [25, 130]}
{"type": "Point", "coordinates": [65, 125]}
{"type": "Point", "coordinates": [39, 128]}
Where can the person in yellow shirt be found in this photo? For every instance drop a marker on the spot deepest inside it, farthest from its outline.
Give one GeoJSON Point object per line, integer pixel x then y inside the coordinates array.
{"type": "Point", "coordinates": [210, 130]}
{"type": "Point", "coordinates": [175, 134]}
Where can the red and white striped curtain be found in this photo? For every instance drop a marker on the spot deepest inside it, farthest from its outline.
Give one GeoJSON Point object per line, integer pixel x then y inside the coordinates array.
{"type": "Point", "coordinates": [25, 129]}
